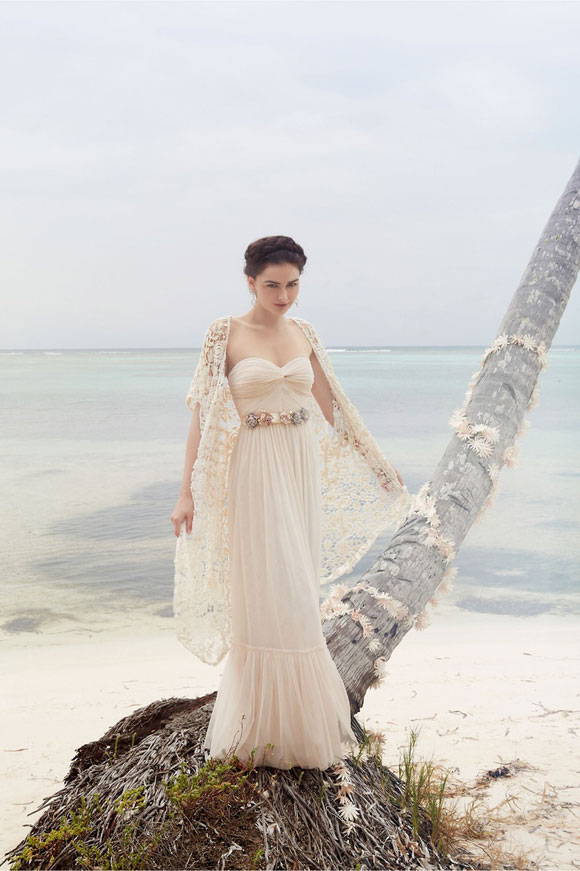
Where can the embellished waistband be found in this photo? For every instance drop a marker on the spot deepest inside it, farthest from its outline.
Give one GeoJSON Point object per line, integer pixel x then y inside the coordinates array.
{"type": "Point", "coordinates": [265, 418]}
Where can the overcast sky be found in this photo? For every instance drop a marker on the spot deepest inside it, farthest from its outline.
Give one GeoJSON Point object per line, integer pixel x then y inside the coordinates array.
{"type": "Point", "coordinates": [415, 150]}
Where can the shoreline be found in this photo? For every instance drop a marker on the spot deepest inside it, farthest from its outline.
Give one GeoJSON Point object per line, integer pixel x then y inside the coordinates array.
{"type": "Point", "coordinates": [483, 690]}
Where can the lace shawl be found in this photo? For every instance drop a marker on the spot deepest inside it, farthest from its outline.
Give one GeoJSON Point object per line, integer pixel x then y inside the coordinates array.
{"type": "Point", "coordinates": [360, 491]}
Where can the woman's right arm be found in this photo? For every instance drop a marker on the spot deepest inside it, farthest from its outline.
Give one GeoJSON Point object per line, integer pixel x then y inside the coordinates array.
{"type": "Point", "coordinates": [201, 386]}
{"type": "Point", "coordinates": [184, 507]}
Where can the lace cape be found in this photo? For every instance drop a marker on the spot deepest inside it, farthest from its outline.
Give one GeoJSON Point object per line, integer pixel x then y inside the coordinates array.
{"type": "Point", "coordinates": [360, 491]}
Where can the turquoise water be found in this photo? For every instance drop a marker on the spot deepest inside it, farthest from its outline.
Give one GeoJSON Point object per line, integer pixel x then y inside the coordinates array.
{"type": "Point", "coordinates": [92, 459]}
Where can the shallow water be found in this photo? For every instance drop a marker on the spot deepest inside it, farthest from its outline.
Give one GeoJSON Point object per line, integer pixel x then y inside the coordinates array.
{"type": "Point", "coordinates": [93, 449]}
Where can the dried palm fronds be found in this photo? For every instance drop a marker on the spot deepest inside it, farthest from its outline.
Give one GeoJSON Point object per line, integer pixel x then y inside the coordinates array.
{"type": "Point", "coordinates": [145, 796]}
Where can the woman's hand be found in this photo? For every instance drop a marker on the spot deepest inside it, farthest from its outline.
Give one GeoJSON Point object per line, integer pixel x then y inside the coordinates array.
{"type": "Point", "coordinates": [183, 511]}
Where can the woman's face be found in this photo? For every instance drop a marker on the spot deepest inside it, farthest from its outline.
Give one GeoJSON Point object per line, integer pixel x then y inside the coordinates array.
{"type": "Point", "coordinates": [276, 287]}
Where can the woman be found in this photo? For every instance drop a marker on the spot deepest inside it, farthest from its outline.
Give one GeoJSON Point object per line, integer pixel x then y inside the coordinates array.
{"type": "Point", "coordinates": [272, 505]}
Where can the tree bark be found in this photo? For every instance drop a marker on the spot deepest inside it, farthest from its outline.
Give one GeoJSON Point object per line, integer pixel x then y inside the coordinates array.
{"type": "Point", "coordinates": [366, 621]}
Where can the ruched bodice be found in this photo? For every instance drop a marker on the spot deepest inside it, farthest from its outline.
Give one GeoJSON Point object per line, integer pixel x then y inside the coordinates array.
{"type": "Point", "coordinates": [257, 383]}
{"type": "Point", "coordinates": [280, 685]}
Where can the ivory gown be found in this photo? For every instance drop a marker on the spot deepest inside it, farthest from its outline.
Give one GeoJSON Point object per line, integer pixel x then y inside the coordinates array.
{"type": "Point", "coordinates": [279, 685]}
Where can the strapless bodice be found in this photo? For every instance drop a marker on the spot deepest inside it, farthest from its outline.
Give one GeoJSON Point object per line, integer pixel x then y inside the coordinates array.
{"type": "Point", "coordinates": [258, 384]}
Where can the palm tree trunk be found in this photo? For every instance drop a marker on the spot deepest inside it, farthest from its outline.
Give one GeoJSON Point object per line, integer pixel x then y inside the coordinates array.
{"type": "Point", "coordinates": [393, 594]}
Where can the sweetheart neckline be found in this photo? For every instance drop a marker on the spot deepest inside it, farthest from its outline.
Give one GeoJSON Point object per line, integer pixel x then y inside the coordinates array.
{"type": "Point", "coordinates": [283, 366]}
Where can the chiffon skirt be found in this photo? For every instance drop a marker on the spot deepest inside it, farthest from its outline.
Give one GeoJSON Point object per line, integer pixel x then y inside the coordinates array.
{"type": "Point", "coordinates": [281, 700]}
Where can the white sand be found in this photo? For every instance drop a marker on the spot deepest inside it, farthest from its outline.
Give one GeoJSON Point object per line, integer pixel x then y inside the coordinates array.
{"type": "Point", "coordinates": [484, 690]}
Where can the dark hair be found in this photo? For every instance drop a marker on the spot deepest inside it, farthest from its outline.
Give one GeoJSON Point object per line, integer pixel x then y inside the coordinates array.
{"type": "Point", "coordinates": [273, 249]}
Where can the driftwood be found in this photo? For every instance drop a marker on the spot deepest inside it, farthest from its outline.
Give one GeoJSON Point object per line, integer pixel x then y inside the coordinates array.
{"type": "Point", "coordinates": [296, 817]}
{"type": "Point", "coordinates": [366, 621]}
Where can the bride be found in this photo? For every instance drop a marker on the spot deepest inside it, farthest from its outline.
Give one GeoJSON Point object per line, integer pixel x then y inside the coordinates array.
{"type": "Point", "coordinates": [271, 505]}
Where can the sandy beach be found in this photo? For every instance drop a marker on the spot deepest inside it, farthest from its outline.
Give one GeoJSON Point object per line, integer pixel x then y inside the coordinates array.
{"type": "Point", "coordinates": [484, 690]}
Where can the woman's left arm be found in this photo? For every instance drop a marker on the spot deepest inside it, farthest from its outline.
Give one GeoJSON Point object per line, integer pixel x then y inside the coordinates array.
{"type": "Point", "coordinates": [321, 390]}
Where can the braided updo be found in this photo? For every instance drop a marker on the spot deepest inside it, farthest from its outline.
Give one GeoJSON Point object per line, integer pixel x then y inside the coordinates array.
{"type": "Point", "coordinates": [273, 249]}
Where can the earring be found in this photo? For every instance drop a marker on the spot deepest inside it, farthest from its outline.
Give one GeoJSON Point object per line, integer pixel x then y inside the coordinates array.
{"type": "Point", "coordinates": [296, 301]}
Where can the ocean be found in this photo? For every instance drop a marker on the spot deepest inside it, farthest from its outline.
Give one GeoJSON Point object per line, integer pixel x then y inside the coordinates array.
{"type": "Point", "coordinates": [92, 460]}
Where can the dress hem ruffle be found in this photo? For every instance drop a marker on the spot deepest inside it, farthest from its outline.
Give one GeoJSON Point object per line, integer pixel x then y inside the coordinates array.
{"type": "Point", "coordinates": [291, 698]}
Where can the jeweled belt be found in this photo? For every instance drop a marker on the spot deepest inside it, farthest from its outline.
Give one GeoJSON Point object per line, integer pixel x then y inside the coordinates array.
{"type": "Point", "coordinates": [265, 418]}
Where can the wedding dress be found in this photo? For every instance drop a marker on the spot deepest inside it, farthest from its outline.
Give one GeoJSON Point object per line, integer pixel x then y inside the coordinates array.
{"type": "Point", "coordinates": [280, 686]}
{"type": "Point", "coordinates": [279, 509]}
